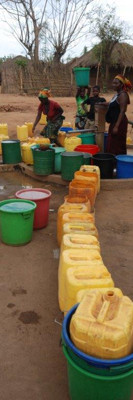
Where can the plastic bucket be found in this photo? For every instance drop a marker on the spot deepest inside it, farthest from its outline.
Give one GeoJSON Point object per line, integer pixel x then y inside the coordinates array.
{"type": "Point", "coordinates": [43, 160]}
{"type": "Point", "coordinates": [92, 148]}
{"type": "Point", "coordinates": [87, 386]}
{"type": "Point", "coordinates": [57, 164]}
{"type": "Point", "coordinates": [89, 363]}
{"type": "Point", "coordinates": [42, 198]}
{"type": "Point", "coordinates": [71, 162]}
{"type": "Point", "coordinates": [124, 167]}
{"type": "Point", "coordinates": [106, 163]}
{"type": "Point", "coordinates": [66, 129]}
{"type": "Point", "coordinates": [87, 158]}
{"type": "Point", "coordinates": [82, 76]}
{"type": "Point", "coordinates": [87, 138]}
{"type": "Point", "coordinates": [11, 151]}
{"type": "Point", "coordinates": [16, 221]}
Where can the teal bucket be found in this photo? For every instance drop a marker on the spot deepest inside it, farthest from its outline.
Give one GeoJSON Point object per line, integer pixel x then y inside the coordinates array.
{"type": "Point", "coordinates": [87, 138]}
{"type": "Point", "coordinates": [57, 164]}
{"type": "Point", "coordinates": [16, 221]}
{"type": "Point", "coordinates": [84, 385]}
{"type": "Point", "coordinates": [82, 76]}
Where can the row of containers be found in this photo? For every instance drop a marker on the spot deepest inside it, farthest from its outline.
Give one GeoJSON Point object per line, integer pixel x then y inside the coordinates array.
{"type": "Point", "coordinates": [97, 330]}
{"type": "Point", "coordinates": [19, 216]}
{"type": "Point", "coordinates": [47, 159]}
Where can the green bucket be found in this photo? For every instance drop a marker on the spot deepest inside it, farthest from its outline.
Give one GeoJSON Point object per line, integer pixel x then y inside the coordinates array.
{"type": "Point", "coordinates": [11, 151]}
{"type": "Point", "coordinates": [87, 138]}
{"type": "Point", "coordinates": [16, 221]}
{"type": "Point", "coordinates": [71, 162]}
{"type": "Point", "coordinates": [84, 385]}
{"type": "Point", "coordinates": [82, 76]}
{"type": "Point", "coordinates": [43, 160]}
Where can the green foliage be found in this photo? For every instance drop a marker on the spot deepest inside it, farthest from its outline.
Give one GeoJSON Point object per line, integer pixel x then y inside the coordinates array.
{"type": "Point", "coordinates": [21, 63]}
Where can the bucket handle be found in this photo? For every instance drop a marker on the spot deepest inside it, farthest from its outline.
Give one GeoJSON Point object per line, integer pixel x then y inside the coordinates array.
{"type": "Point", "coordinates": [26, 215]}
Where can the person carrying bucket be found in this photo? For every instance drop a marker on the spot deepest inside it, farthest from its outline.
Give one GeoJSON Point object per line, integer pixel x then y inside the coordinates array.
{"type": "Point", "coordinates": [53, 111]}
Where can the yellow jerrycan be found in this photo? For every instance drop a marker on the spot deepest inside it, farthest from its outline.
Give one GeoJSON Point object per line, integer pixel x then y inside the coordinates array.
{"type": "Point", "coordinates": [75, 257]}
{"type": "Point", "coordinates": [79, 278]}
{"type": "Point", "coordinates": [22, 133]}
{"type": "Point", "coordinates": [83, 292]}
{"type": "Point", "coordinates": [80, 227]}
{"type": "Point", "coordinates": [92, 275]}
{"type": "Point", "coordinates": [92, 168]}
{"type": "Point", "coordinates": [75, 217]}
{"type": "Point", "coordinates": [90, 177]}
{"type": "Point", "coordinates": [83, 188]}
{"type": "Point", "coordinates": [42, 140]}
{"type": "Point", "coordinates": [102, 325]}
{"type": "Point", "coordinates": [71, 142]}
{"type": "Point", "coordinates": [26, 151]}
{"type": "Point", "coordinates": [30, 127]}
{"type": "Point", "coordinates": [77, 241]}
{"type": "Point", "coordinates": [78, 200]}
{"type": "Point", "coordinates": [3, 130]}
{"type": "Point", "coordinates": [43, 119]}
{"type": "Point", "coordinates": [64, 208]}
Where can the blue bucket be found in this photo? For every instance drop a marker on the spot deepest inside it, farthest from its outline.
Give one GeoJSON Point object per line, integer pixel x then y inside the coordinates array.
{"type": "Point", "coordinates": [97, 365]}
{"type": "Point", "coordinates": [124, 168]}
{"type": "Point", "coordinates": [66, 129]}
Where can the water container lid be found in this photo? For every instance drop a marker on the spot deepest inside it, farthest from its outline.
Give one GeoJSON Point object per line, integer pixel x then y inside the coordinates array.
{"type": "Point", "coordinates": [33, 194]}
{"type": "Point", "coordinates": [17, 206]}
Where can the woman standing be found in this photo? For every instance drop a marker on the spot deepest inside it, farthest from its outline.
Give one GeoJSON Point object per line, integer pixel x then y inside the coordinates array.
{"type": "Point", "coordinates": [53, 111]}
{"type": "Point", "coordinates": [116, 142]}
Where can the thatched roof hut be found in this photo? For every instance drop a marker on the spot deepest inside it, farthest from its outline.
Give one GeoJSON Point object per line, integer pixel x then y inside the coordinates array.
{"type": "Point", "coordinates": [121, 62]}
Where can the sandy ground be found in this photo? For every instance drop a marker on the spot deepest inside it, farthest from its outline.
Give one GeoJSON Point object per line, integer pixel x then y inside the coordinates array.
{"type": "Point", "coordinates": [16, 110]}
{"type": "Point", "coordinates": [32, 364]}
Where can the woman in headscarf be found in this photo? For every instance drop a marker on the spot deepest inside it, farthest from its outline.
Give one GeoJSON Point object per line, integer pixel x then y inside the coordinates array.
{"type": "Point", "coordinates": [53, 111]}
{"type": "Point", "coordinates": [116, 142]}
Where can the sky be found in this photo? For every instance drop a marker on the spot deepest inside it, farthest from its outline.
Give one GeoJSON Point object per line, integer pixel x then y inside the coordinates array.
{"type": "Point", "coordinates": [9, 46]}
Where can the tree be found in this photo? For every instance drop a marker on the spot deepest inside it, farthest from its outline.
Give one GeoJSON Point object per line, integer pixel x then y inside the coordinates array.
{"type": "Point", "coordinates": [109, 30]}
{"type": "Point", "coordinates": [67, 22]}
{"type": "Point", "coordinates": [26, 23]}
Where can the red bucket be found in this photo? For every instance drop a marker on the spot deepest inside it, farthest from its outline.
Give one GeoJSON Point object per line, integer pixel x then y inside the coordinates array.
{"type": "Point", "coordinates": [42, 198]}
{"type": "Point", "coordinates": [88, 148]}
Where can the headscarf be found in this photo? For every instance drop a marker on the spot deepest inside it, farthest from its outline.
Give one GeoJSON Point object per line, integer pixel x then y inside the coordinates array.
{"type": "Point", "coordinates": [43, 94]}
{"type": "Point", "coordinates": [126, 83]}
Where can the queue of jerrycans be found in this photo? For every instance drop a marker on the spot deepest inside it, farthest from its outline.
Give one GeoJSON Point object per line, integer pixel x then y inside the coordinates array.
{"type": "Point", "coordinates": [66, 208]}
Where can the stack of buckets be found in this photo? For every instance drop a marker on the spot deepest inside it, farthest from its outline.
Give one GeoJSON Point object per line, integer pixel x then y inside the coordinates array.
{"type": "Point", "coordinates": [19, 216]}
{"type": "Point", "coordinates": [81, 269]}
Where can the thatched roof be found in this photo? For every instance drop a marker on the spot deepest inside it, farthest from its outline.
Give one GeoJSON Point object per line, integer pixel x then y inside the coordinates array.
{"type": "Point", "coordinates": [122, 55]}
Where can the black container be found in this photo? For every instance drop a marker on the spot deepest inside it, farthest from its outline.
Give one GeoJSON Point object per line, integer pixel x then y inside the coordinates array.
{"type": "Point", "coordinates": [106, 163]}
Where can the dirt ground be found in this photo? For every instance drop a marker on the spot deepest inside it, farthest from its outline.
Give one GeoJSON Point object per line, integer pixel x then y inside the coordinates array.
{"type": "Point", "coordinates": [32, 364]}
{"type": "Point", "coordinates": [16, 110]}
